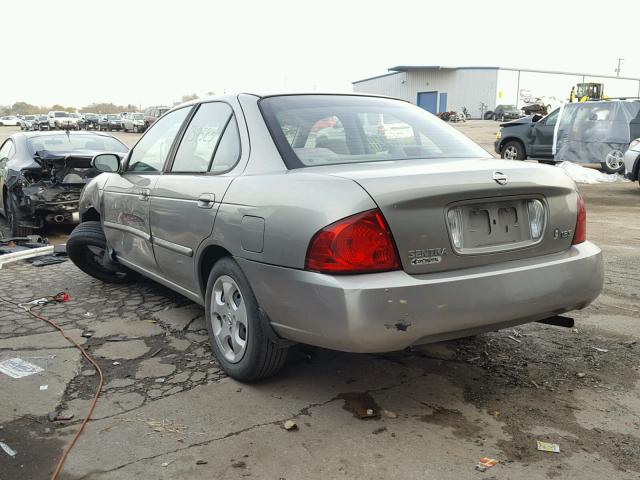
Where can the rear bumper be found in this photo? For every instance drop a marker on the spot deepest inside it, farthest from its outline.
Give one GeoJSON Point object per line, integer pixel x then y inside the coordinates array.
{"type": "Point", "coordinates": [391, 311]}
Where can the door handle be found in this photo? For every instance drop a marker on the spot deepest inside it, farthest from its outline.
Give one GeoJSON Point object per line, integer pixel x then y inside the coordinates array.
{"type": "Point", "coordinates": [206, 200]}
{"type": "Point", "coordinates": [143, 195]}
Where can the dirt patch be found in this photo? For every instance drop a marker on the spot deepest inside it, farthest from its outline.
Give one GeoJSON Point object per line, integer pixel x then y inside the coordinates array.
{"type": "Point", "coordinates": [454, 419]}
{"type": "Point", "coordinates": [529, 386]}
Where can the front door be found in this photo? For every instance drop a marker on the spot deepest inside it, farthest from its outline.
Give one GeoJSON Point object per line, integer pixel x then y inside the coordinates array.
{"type": "Point", "coordinates": [542, 136]}
{"type": "Point", "coordinates": [185, 201]}
{"type": "Point", "coordinates": [428, 101]}
{"type": "Point", "coordinates": [126, 197]}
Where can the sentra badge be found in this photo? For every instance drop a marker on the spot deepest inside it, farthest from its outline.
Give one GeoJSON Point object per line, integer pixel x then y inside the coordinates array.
{"type": "Point", "coordinates": [427, 256]}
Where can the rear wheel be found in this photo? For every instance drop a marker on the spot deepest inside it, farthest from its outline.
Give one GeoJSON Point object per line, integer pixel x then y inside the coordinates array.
{"type": "Point", "coordinates": [613, 163]}
{"type": "Point", "coordinates": [86, 248]}
{"type": "Point", "coordinates": [16, 231]}
{"type": "Point", "coordinates": [513, 151]}
{"type": "Point", "coordinates": [237, 333]}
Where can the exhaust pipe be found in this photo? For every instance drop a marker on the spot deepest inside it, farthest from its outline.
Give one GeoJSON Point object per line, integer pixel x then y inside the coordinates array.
{"type": "Point", "coordinates": [58, 218]}
{"type": "Point", "coordinates": [558, 321]}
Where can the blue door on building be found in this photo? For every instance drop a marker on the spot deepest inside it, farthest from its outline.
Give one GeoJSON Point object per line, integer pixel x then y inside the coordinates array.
{"type": "Point", "coordinates": [428, 101]}
{"type": "Point", "coordinates": [443, 102]}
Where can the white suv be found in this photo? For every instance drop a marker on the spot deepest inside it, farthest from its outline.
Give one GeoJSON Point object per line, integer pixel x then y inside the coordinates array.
{"type": "Point", "coordinates": [62, 120]}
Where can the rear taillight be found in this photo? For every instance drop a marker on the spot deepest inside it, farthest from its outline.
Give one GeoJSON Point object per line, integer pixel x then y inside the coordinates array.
{"type": "Point", "coordinates": [580, 232]}
{"type": "Point", "coordinates": [361, 243]}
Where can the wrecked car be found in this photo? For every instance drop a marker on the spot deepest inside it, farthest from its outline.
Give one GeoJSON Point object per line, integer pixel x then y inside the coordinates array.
{"type": "Point", "coordinates": [355, 241]}
{"type": "Point", "coordinates": [42, 174]}
{"type": "Point", "coordinates": [585, 132]}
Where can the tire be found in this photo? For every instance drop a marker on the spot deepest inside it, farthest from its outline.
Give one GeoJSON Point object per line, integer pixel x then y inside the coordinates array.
{"type": "Point", "coordinates": [14, 228]}
{"type": "Point", "coordinates": [513, 150]}
{"type": "Point", "coordinates": [260, 356]}
{"type": "Point", "coordinates": [84, 248]}
{"type": "Point", "coordinates": [613, 163]}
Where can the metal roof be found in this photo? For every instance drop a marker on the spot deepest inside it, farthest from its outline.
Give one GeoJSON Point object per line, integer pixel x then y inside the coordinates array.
{"type": "Point", "coordinates": [405, 68]}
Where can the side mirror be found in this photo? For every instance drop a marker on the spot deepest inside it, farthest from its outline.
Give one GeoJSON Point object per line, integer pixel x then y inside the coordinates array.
{"type": "Point", "coordinates": [106, 162]}
{"type": "Point", "coordinates": [536, 118]}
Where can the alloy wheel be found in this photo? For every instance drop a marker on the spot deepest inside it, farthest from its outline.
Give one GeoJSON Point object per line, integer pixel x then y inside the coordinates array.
{"type": "Point", "coordinates": [511, 153]}
{"type": "Point", "coordinates": [614, 159]}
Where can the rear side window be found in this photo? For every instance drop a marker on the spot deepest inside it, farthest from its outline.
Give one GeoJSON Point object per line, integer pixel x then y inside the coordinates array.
{"type": "Point", "coordinates": [312, 130]}
{"type": "Point", "coordinates": [151, 151]}
{"type": "Point", "coordinates": [210, 142]}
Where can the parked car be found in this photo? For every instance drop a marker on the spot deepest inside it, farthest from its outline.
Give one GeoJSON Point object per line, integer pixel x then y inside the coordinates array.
{"type": "Point", "coordinates": [352, 245]}
{"type": "Point", "coordinates": [151, 114]}
{"type": "Point", "coordinates": [9, 121]}
{"type": "Point", "coordinates": [134, 122]}
{"type": "Point", "coordinates": [110, 122]}
{"type": "Point", "coordinates": [26, 122]}
{"type": "Point", "coordinates": [632, 161]}
{"type": "Point", "coordinates": [62, 120]}
{"type": "Point", "coordinates": [41, 175]}
{"type": "Point", "coordinates": [41, 122]}
{"type": "Point", "coordinates": [91, 121]}
{"type": "Point", "coordinates": [506, 112]}
{"type": "Point", "coordinates": [527, 137]}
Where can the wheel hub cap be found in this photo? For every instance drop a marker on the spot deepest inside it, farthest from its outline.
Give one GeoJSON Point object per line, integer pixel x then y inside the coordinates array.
{"type": "Point", "coordinates": [614, 159]}
{"type": "Point", "coordinates": [229, 318]}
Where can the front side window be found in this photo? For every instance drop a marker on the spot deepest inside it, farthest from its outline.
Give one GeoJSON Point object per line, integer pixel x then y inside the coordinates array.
{"type": "Point", "coordinates": [312, 130]}
{"type": "Point", "coordinates": [151, 151]}
{"type": "Point", "coordinates": [552, 118]}
{"type": "Point", "coordinates": [202, 138]}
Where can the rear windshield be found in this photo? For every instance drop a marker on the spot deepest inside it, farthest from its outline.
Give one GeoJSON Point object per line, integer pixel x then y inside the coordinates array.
{"type": "Point", "coordinates": [63, 144]}
{"type": "Point", "coordinates": [137, 116]}
{"type": "Point", "coordinates": [113, 117]}
{"type": "Point", "coordinates": [60, 114]}
{"type": "Point", "coordinates": [311, 130]}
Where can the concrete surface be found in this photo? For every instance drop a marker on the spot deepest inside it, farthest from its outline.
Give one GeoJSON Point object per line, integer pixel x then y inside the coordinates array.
{"type": "Point", "coordinates": [167, 411]}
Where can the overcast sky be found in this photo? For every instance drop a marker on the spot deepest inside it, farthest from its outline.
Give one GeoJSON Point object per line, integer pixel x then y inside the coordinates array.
{"type": "Point", "coordinates": [154, 52]}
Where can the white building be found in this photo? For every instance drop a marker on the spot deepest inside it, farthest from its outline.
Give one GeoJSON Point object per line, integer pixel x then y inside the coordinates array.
{"type": "Point", "coordinates": [439, 89]}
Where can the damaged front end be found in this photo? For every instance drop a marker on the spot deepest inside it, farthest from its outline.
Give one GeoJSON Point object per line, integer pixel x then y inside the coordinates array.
{"type": "Point", "coordinates": [49, 189]}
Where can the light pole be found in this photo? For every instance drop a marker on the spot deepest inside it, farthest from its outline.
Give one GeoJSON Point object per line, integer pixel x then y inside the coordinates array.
{"type": "Point", "coordinates": [617, 70]}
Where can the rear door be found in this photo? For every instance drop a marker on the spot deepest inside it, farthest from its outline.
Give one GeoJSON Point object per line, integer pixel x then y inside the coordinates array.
{"type": "Point", "coordinates": [185, 200]}
{"type": "Point", "coordinates": [126, 196]}
{"type": "Point", "coordinates": [542, 136]}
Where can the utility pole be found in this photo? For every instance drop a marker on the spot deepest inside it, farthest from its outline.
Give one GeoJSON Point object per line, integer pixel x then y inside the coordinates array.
{"type": "Point", "coordinates": [617, 70]}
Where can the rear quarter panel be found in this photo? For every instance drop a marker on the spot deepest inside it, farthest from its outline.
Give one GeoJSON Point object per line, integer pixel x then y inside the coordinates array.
{"type": "Point", "coordinates": [294, 206]}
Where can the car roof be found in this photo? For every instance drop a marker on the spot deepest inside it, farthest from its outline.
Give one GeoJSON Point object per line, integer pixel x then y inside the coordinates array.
{"type": "Point", "coordinates": [233, 96]}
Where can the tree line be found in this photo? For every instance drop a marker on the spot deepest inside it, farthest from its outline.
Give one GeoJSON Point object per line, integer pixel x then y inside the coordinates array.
{"type": "Point", "coordinates": [24, 108]}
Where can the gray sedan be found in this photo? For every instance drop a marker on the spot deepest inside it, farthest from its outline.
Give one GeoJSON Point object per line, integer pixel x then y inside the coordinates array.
{"type": "Point", "coordinates": [291, 222]}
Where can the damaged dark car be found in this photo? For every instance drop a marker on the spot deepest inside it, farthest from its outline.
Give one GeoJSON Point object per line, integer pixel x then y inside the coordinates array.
{"type": "Point", "coordinates": [42, 175]}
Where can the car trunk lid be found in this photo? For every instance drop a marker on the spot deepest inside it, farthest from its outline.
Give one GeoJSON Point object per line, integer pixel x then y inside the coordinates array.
{"type": "Point", "coordinates": [491, 196]}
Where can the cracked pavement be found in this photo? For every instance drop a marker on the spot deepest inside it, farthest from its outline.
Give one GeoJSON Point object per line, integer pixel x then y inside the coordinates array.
{"type": "Point", "coordinates": [168, 411]}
